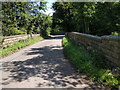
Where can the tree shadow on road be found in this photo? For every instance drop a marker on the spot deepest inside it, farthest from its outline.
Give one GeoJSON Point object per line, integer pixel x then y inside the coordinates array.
{"type": "Point", "coordinates": [49, 65]}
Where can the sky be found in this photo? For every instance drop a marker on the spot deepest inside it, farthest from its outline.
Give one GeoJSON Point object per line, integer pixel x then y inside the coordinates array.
{"type": "Point", "coordinates": [49, 10]}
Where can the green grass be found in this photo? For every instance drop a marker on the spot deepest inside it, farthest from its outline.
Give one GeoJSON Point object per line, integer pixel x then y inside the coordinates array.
{"type": "Point", "coordinates": [18, 45]}
{"type": "Point", "coordinates": [90, 63]}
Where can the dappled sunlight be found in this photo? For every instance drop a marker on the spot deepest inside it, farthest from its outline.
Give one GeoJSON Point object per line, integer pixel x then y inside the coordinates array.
{"type": "Point", "coordinates": [45, 67]}
{"type": "Point", "coordinates": [36, 35]}
{"type": "Point", "coordinates": [51, 67]}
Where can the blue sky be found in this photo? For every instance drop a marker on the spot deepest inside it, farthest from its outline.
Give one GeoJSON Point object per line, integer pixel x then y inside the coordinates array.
{"type": "Point", "coordinates": [49, 7]}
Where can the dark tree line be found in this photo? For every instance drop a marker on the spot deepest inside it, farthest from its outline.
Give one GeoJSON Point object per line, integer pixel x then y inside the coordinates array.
{"type": "Point", "coordinates": [87, 17]}
{"type": "Point", "coordinates": [24, 18]}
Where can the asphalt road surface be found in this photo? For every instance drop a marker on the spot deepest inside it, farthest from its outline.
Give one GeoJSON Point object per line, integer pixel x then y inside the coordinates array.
{"type": "Point", "coordinates": [42, 65]}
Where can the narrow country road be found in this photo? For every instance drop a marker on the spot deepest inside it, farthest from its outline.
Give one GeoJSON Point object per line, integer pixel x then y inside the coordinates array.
{"type": "Point", "coordinates": [41, 65]}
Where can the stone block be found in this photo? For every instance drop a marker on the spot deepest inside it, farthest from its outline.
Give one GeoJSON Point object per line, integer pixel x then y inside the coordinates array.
{"type": "Point", "coordinates": [109, 45]}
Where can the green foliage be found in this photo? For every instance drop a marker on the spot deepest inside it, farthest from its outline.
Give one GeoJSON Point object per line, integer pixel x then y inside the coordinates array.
{"type": "Point", "coordinates": [96, 18]}
{"type": "Point", "coordinates": [15, 31]}
{"type": "Point", "coordinates": [89, 62]}
{"type": "Point", "coordinates": [115, 33]}
{"type": "Point", "coordinates": [22, 17]}
{"type": "Point", "coordinates": [18, 45]}
{"type": "Point", "coordinates": [48, 31]}
{"type": "Point", "coordinates": [63, 16]}
{"type": "Point", "coordinates": [56, 32]}
{"type": "Point", "coordinates": [46, 25]}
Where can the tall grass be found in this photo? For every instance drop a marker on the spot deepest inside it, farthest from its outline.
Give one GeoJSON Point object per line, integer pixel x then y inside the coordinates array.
{"type": "Point", "coordinates": [90, 63]}
{"type": "Point", "coordinates": [18, 45]}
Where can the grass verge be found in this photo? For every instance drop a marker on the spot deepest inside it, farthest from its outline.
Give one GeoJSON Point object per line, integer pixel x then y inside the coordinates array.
{"type": "Point", "coordinates": [90, 63]}
{"type": "Point", "coordinates": [18, 45]}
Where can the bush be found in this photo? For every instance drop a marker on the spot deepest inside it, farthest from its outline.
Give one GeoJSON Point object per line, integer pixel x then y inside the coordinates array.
{"type": "Point", "coordinates": [48, 31]}
{"type": "Point", "coordinates": [115, 33]}
{"type": "Point", "coordinates": [15, 31]}
{"type": "Point", "coordinates": [89, 62]}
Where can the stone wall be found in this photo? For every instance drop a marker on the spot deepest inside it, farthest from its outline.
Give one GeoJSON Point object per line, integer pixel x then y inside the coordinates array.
{"type": "Point", "coordinates": [108, 45]}
{"type": "Point", "coordinates": [9, 40]}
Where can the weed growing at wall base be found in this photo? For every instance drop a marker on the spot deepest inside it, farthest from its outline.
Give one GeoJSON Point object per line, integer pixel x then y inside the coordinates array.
{"type": "Point", "coordinates": [18, 45]}
{"type": "Point", "coordinates": [88, 62]}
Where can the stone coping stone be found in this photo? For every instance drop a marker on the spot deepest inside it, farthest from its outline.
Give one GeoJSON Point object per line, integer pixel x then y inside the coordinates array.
{"type": "Point", "coordinates": [87, 35]}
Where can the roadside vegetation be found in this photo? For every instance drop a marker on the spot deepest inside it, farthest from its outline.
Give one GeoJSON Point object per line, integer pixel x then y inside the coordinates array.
{"type": "Point", "coordinates": [56, 31]}
{"type": "Point", "coordinates": [96, 18]}
{"type": "Point", "coordinates": [90, 63]}
{"type": "Point", "coordinates": [25, 18]}
{"type": "Point", "coordinates": [18, 45]}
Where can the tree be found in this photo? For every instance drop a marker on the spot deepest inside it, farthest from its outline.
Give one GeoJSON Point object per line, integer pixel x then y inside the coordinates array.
{"type": "Point", "coordinates": [46, 25]}
{"type": "Point", "coordinates": [21, 17]}
{"type": "Point", "coordinates": [87, 17]}
{"type": "Point", "coordinates": [63, 15]}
